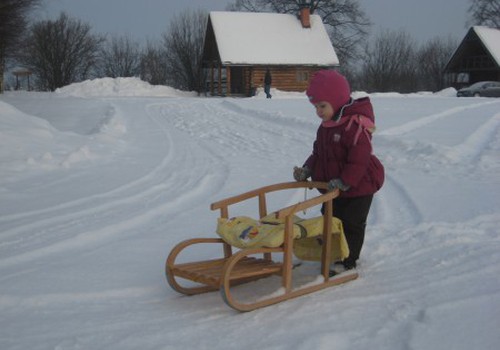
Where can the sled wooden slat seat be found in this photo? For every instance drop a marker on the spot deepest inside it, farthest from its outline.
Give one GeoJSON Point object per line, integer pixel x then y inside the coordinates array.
{"type": "Point", "coordinates": [209, 272]}
{"type": "Point", "coordinates": [245, 265]}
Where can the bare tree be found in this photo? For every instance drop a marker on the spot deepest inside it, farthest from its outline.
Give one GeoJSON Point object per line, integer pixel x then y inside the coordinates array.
{"type": "Point", "coordinates": [183, 43]}
{"type": "Point", "coordinates": [120, 57]}
{"type": "Point", "coordinates": [61, 52]}
{"type": "Point", "coordinates": [484, 12]}
{"type": "Point", "coordinates": [154, 65]}
{"type": "Point", "coordinates": [13, 22]}
{"type": "Point", "coordinates": [432, 57]}
{"type": "Point", "coordinates": [346, 22]}
{"type": "Point", "coordinates": [390, 64]}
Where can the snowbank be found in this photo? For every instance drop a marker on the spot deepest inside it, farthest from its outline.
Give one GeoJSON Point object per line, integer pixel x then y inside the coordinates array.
{"type": "Point", "coordinates": [109, 87]}
{"type": "Point", "coordinates": [29, 143]}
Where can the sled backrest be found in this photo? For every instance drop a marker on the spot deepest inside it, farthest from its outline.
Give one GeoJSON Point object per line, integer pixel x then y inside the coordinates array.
{"type": "Point", "coordinates": [260, 193]}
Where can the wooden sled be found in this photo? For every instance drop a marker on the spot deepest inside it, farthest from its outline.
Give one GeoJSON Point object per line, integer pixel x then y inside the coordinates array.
{"type": "Point", "coordinates": [255, 263]}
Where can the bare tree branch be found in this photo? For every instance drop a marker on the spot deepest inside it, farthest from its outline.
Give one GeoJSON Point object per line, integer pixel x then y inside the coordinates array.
{"type": "Point", "coordinates": [154, 65]}
{"type": "Point", "coordinates": [389, 63]}
{"type": "Point", "coordinates": [183, 44]}
{"type": "Point", "coordinates": [120, 57]}
{"type": "Point", "coordinates": [61, 52]}
{"type": "Point", "coordinates": [484, 12]}
{"type": "Point", "coordinates": [431, 60]}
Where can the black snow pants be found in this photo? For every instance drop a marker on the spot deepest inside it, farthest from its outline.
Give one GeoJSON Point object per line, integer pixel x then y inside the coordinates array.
{"type": "Point", "coordinates": [353, 212]}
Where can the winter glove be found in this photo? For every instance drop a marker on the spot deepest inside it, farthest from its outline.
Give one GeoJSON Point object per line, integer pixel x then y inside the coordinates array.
{"type": "Point", "coordinates": [301, 174]}
{"type": "Point", "coordinates": [337, 183]}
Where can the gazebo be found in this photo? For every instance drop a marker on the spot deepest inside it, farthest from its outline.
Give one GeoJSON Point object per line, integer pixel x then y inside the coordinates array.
{"type": "Point", "coordinates": [22, 73]}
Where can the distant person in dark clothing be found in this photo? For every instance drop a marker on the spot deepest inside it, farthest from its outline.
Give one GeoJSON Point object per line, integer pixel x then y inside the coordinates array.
{"type": "Point", "coordinates": [267, 83]}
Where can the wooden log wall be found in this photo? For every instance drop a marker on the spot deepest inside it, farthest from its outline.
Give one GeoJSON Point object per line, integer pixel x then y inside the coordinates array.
{"type": "Point", "coordinates": [284, 78]}
{"type": "Point", "coordinates": [251, 78]}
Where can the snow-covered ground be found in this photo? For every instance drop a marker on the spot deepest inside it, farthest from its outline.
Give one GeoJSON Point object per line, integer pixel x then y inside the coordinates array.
{"type": "Point", "coordinates": [99, 180]}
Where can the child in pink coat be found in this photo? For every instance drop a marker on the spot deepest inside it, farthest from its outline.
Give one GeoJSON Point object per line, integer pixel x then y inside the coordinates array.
{"type": "Point", "coordinates": [343, 156]}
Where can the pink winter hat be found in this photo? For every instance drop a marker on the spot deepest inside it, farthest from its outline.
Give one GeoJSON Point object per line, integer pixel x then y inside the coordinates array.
{"type": "Point", "coordinates": [329, 86]}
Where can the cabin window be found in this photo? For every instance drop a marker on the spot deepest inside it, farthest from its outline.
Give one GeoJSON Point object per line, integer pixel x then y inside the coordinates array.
{"type": "Point", "coordinates": [302, 76]}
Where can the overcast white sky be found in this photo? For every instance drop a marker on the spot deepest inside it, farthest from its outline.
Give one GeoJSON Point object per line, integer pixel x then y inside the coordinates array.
{"type": "Point", "coordinates": [147, 19]}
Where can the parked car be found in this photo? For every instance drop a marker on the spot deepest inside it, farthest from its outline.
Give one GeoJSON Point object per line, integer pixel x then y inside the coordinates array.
{"type": "Point", "coordinates": [482, 88]}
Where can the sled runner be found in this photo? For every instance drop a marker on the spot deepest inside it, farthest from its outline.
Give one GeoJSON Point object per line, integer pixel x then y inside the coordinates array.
{"type": "Point", "coordinates": [253, 262]}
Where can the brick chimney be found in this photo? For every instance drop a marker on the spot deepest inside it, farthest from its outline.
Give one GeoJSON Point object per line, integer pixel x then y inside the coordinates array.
{"type": "Point", "coordinates": [304, 16]}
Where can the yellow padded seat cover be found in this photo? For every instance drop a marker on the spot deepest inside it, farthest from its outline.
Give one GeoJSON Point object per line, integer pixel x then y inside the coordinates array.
{"type": "Point", "coordinates": [245, 232]}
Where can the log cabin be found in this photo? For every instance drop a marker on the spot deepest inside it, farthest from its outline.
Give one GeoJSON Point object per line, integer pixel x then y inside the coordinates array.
{"type": "Point", "coordinates": [240, 46]}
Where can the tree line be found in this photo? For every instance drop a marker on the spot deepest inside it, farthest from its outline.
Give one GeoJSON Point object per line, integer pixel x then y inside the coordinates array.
{"type": "Point", "coordinates": [64, 50]}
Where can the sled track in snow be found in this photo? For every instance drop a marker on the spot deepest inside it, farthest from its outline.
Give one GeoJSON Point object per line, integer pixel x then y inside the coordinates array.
{"type": "Point", "coordinates": [476, 143]}
{"type": "Point", "coordinates": [163, 191]}
{"type": "Point", "coordinates": [427, 120]}
{"type": "Point", "coordinates": [393, 204]}
{"type": "Point", "coordinates": [297, 129]}
{"type": "Point", "coordinates": [237, 129]}
{"type": "Point", "coordinates": [97, 202]}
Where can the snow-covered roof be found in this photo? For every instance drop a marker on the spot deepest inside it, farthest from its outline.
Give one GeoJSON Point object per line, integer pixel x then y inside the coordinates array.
{"type": "Point", "coordinates": [271, 38]}
{"type": "Point", "coordinates": [491, 40]}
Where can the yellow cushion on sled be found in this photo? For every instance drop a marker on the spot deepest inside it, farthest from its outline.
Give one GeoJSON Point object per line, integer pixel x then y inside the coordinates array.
{"type": "Point", "coordinates": [311, 248]}
{"type": "Point", "coordinates": [244, 232]}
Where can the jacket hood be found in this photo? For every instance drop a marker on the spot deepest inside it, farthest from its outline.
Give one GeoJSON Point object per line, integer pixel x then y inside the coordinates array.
{"type": "Point", "coordinates": [361, 106]}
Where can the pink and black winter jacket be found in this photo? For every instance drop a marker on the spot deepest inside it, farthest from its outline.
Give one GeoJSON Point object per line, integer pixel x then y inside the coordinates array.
{"type": "Point", "coordinates": [337, 155]}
